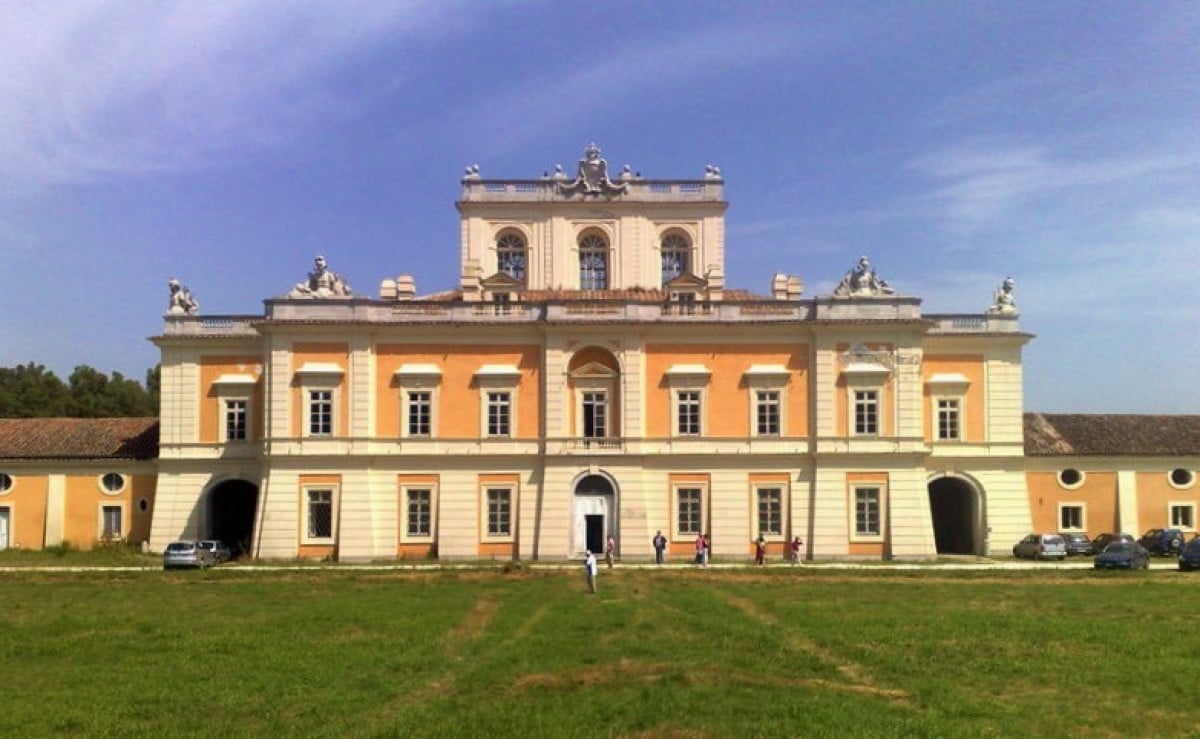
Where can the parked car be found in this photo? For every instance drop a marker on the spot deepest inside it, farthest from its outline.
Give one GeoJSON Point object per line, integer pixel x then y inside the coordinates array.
{"type": "Point", "coordinates": [221, 553]}
{"type": "Point", "coordinates": [1076, 543]}
{"type": "Point", "coordinates": [1041, 546]}
{"type": "Point", "coordinates": [1162, 541]}
{"type": "Point", "coordinates": [1189, 557]}
{"type": "Point", "coordinates": [187, 554]}
{"type": "Point", "coordinates": [1123, 555]}
{"type": "Point", "coordinates": [1103, 540]}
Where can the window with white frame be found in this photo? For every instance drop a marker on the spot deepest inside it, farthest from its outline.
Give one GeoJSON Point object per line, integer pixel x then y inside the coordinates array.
{"type": "Point", "coordinates": [419, 413]}
{"type": "Point", "coordinates": [868, 512]}
{"type": "Point", "coordinates": [418, 512]}
{"type": "Point", "coordinates": [1071, 517]}
{"type": "Point", "coordinates": [236, 419]}
{"type": "Point", "coordinates": [318, 514]}
{"type": "Point", "coordinates": [320, 412]}
{"type": "Point", "coordinates": [110, 523]}
{"type": "Point", "coordinates": [595, 414]}
{"type": "Point", "coordinates": [497, 401]}
{"type": "Point", "coordinates": [949, 419]}
{"type": "Point", "coordinates": [593, 262]}
{"type": "Point", "coordinates": [499, 413]}
{"type": "Point", "coordinates": [766, 412]}
{"type": "Point", "coordinates": [687, 412]}
{"type": "Point", "coordinates": [866, 412]}
{"type": "Point", "coordinates": [1182, 515]}
{"type": "Point", "coordinates": [770, 511]}
{"type": "Point", "coordinates": [689, 511]}
{"type": "Point", "coordinates": [499, 512]}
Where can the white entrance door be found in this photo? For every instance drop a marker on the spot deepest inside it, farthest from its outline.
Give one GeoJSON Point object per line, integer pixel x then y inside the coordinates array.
{"type": "Point", "coordinates": [5, 516]}
{"type": "Point", "coordinates": [589, 506]}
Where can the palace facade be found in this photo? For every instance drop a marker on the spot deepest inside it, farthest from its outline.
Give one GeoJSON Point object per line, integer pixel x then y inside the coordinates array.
{"type": "Point", "coordinates": [591, 376]}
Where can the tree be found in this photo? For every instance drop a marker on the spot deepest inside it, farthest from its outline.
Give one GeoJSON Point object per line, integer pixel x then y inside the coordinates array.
{"type": "Point", "coordinates": [32, 391]}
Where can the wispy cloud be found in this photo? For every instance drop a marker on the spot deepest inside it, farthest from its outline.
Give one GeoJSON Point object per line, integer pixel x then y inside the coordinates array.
{"type": "Point", "coordinates": [95, 89]}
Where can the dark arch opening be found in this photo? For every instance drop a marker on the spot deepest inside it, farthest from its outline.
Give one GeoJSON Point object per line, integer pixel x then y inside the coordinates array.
{"type": "Point", "coordinates": [954, 505]}
{"type": "Point", "coordinates": [231, 508]}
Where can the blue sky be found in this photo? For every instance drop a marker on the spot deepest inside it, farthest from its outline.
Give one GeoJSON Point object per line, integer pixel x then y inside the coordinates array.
{"type": "Point", "coordinates": [227, 143]}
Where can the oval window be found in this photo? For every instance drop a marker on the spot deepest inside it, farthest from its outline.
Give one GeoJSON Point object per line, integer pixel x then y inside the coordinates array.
{"type": "Point", "coordinates": [1070, 478]}
{"type": "Point", "coordinates": [143, 505]}
{"type": "Point", "coordinates": [112, 483]}
{"type": "Point", "coordinates": [6, 483]}
{"type": "Point", "coordinates": [1182, 478]}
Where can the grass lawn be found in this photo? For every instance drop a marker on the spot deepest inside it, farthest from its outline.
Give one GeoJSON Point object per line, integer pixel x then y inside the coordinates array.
{"type": "Point", "coordinates": [656, 654]}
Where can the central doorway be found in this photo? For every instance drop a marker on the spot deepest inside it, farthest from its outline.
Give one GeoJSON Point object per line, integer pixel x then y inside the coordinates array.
{"type": "Point", "coordinates": [232, 506]}
{"type": "Point", "coordinates": [954, 504]}
{"type": "Point", "coordinates": [594, 514]}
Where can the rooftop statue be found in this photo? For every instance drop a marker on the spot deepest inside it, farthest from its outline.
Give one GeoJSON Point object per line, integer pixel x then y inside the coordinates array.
{"type": "Point", "coordinates": [322, 283]}
{"type": "Point", "coordinates": [1003, 300]}
{"type": "Point", "coordinates": [592, 176]}
{"type": "Point", "coordinates": [861, 281]}
{"type": "Point", "coordinates": [180, 302]}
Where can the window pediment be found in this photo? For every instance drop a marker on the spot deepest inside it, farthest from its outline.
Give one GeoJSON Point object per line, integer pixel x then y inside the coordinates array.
{"type": "Point", "coordinates": [320, 368]}
{"type": "Point", "coordinates": [948, 380]}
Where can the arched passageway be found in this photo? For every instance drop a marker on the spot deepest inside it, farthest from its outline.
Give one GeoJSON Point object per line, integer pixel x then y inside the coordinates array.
{"type": "Point", "coordinates": [231, 510]}
{"type": "Point", "coordinates": [595, 513]}
{"type": "Point", "coordinates": [954, 504]}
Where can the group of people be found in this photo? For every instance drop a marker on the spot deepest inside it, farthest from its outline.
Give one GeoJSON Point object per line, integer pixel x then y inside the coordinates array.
{"type": "Point", "coordinates": [794, 553]}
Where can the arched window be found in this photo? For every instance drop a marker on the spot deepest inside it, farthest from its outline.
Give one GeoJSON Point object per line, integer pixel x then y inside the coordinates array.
{"type": "Point", "coordinates": [675, 253]}
{"type": "Point", "coordinates": [593, 262]}
{"type": "Point", "coordinates": [511, 255]}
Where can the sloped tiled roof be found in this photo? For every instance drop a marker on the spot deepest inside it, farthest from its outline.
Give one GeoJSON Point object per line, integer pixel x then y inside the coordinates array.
{"type": "Point", "coordinates": [78, 438]}
{"type": "Point", "coordinates": [1080, 434]}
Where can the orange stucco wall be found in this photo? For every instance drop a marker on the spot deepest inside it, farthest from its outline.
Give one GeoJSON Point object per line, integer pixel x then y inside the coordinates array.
{"type": "Point", "coordinates": [1098, 494]}
{"type": "Point", "coordinates": [458, 397]}
{"type": "Point", "coordinates": [26, 502]}
{"type": "Point", "coordinates": [325, 353]}
{"type": "Point", "coordinates": [1155, 494]}
{"type": "Point", "coordinates": [842, 409]}
{"type": "Point", "coordinates": [727, 397]}
{"type": "Point", "coordinates": [84, 499]}
{"type": "Point", "coordinates": [969, 366]}
{"type": "Point", "coordinates": [211, 406]}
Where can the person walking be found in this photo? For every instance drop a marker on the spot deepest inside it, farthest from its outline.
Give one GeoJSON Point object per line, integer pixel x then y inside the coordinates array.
{"type": "Point", "coordinates": [660, 544]}
{"type": "Point", "coordinates": [797, 547]}
{"type": "Point", "coordinates": [610, 547]}
{"type": "Point", "coordinates": [760, 550]}
{"type": "Point", "coordinates": [705, 549]}
{"type": "Point", "coordinates": [589, 571]}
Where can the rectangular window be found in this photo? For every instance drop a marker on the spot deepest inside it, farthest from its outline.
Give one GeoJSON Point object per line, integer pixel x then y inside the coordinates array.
{"type": "Point", "coordinates": [320, 514]}
{"type": "Point", "coordinates": [110, 522]}
{"type": "Point", "coordinates": [595, 415]}
{"type": "Point", "coordinates": [420, 412]}
{"type": "Point", "coordinates": [689, 509]}
{"type": "Point", "coordinates": [867, 512]}
{"type": "Point", "coordinates": [499, 512]}
{"type": "Point", "coordinates": [770, 511]}
{"type": "Point", "coordinates": [235, 420]}
{"type": "Point", "coordinates": [866, 412]}
{"type": "Point", "coordinates": [688, 412]}
{"type": "Point", "coordinates": [767, 412]}
{"type": "Point", "coordinates": [499, 414]}
{"type": "Point", "coordinates": [1070, 518]}
{"type": "Point", "coordinates": [949, 416]}
{"type": "Point", "coordinates": [419, 504]}
{"type": "Point", "coordinates": [320, 412]}
{"type": "Point", "coordinates": [1183, 515]}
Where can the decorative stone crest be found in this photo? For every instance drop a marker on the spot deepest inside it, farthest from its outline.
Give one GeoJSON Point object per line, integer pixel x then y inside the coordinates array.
{"type": "Point", "coordinates": [862, 282]}
{"type": "Point", "coordinates": [592, 176]}
{"type": "Point", "coordinates": [1003, 301]}
{"type": "Point", "coordinates": [322, 283]}
{"type": "Point", "coordinates": [180, 302]}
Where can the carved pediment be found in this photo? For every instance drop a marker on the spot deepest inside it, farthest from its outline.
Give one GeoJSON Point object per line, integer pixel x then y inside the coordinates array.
{"type": "Point", "coordinates": [501, 282]}
{"type": "Point", "coordinates": [594, 369]}
{"type": "Point", "coordinates": [686, 283]}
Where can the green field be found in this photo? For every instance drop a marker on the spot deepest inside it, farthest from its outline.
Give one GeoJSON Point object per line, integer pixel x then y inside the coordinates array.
{"type": "Point", "coordinates": [655, 653]}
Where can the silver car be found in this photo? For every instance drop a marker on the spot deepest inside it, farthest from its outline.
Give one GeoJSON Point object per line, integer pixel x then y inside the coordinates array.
{"type": "Point", "coordinates": [1041, 546]}
{"type": "Point", "coordinates": [220, 552]}
{"type": "Point", "coordinates": [187, 554]}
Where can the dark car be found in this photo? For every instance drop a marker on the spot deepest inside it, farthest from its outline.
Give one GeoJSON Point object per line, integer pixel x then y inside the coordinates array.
{"type": "Point", "coordinates": [1104, 540]}
{"type": "Point", "coordinates": [1077, 543]}
{"type": "Point", "coordinates": [1123, 555]}
{"type": "Point", "coordinates": [1162, 541]}
{"type": "Point", "coordinates": [1041, 546]}
{"type": "Point", "coordinates": [220, 552]}
{"type": "Point", "coordinates": [1189, 557]}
